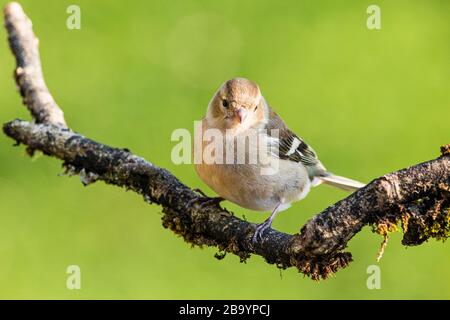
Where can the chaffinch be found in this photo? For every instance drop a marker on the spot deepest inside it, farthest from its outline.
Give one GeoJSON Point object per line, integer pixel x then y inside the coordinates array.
{"type": "Point", "coordinates": [238, 111]}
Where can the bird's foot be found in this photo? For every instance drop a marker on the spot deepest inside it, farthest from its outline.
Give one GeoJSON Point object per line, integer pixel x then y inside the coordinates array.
{"type": "Point", "coordinates": [260, 229]}
{"type": "Point", "coordinates": [200, 192]}
{"type": "Point", "coordinates": [205, 201]}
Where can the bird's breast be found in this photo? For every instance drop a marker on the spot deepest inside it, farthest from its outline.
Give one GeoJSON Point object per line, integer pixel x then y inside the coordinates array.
{"type": "Point", "coordinates": [258, 183]}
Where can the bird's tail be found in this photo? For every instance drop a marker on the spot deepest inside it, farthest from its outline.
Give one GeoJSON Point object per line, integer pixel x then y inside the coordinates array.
{"type": "Point", "coordinates": [341, 182]}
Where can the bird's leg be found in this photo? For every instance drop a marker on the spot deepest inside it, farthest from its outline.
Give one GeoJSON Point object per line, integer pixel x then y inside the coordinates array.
{"type": "Point", "coordinates": [267, 224]}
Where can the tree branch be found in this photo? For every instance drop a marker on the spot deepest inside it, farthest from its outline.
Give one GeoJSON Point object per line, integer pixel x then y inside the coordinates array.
{"type": "Point", "coordinates": [417, 197]}
{"type": "Point", "coordinates": [28, 72]}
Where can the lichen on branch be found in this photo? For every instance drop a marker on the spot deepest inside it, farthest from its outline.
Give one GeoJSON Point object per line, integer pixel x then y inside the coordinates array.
{"type": "Point", "coordinates": [417, 197]}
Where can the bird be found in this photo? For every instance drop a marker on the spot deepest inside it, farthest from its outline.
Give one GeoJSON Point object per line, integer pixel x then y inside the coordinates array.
{"type": "Point", "coordinates": [237, 111]}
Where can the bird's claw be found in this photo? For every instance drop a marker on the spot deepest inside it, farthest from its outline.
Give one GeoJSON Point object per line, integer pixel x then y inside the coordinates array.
{"type": "Point", "coordinates": [260, 229]}
{"type": "Point", "coordinates": [205, 201]}
{"type": "Point", "coordinates": [200, 192]}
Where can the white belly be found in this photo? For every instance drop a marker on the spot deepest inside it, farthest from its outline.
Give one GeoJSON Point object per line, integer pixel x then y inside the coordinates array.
{"type": "Point", "coordinates": [245, 185]}
{"type": "Point", "coordinates": [260, 185]}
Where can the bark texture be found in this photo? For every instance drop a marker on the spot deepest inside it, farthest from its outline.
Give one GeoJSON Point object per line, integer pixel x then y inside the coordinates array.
{"type": "Point", "coordinates": [417, 198]}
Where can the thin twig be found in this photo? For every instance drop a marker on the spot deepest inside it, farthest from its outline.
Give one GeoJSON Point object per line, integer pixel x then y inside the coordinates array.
{"type": "Point", "coordinates": [419, 196]}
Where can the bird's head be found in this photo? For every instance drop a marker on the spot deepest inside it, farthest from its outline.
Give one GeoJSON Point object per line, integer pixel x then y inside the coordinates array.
{"type": "Point", "coordinates": [238, 104]}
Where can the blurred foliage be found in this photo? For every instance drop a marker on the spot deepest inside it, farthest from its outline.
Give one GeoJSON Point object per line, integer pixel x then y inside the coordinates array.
{"type": "Point", "coordinates": [369, 102]}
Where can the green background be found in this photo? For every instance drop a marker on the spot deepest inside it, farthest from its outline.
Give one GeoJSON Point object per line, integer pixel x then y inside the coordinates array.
{"type": "Point", "coordinates": [369, 102]}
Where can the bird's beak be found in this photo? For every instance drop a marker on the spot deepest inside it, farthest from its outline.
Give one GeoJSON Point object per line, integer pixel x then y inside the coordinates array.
{"type": "Point", "coordinates": [241, 113]}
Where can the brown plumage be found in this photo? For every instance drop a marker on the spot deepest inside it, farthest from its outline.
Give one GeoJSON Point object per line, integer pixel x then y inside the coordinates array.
{"type": "Point", "coordinates": [286, 166]}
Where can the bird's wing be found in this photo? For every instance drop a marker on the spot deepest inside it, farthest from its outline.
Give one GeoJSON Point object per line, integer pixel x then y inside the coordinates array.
{"type": "Point", "coordinates": [291, 147]}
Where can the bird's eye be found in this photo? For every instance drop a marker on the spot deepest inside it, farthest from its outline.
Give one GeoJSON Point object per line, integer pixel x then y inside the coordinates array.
{"type": "Point", "coordinates": [225, 103]}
